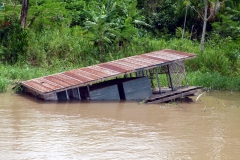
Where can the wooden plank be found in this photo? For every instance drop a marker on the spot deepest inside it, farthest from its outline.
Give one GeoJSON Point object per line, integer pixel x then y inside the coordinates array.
{"type": "Point", "coordinates": [173, 97]}
{"type": "Point", "coordinates": [170, 77]}
{"type": "Point", "coordinates": [104, 92]}
{"type": "Point", "coordinates": [156, 96]}
{"type": "Point", "coordinates": [169, 97]}
{"type": "Point", "coordinates": [159, 84]}
{"type": "Point", "coordinates": [138, 88]}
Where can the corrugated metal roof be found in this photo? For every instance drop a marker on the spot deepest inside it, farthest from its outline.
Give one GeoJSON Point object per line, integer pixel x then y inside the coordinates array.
{"type": "Point", "coordinates": [96, 73]}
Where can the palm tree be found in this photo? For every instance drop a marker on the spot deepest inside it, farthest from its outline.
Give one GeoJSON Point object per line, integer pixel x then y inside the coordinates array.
{"type": "Point", "coordinates": [102, 30]}
{"type": "Point", "coordinates": [130, 21]}
{"type": "Point", "coordinates": [112, 23]}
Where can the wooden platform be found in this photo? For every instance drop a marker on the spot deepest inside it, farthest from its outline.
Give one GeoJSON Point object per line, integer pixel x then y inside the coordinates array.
{"type": "Point", "coordinates": [172, 95]}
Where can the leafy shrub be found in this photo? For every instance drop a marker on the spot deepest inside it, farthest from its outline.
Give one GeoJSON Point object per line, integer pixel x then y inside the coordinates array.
{"type": "Point", "coordinates": [13, 40]}
{"type": "Point", "coordinates": [4, 83]}
{"type": "Point", "coordinates": [214, 80]}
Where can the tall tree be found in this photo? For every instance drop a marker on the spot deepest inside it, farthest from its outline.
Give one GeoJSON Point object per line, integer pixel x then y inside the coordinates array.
{"type": "Point", "coordinates": [213, 6]}
{"type": "Point", "coordinates": [187, 3]}
{"type": "Point", "coordinates": [205, 19]}
{"type": "Point", "coordinates": [24, 13]}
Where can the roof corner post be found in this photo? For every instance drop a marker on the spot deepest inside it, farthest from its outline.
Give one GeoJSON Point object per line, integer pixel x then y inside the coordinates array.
{"type": "Point", "coordinates": [185, 74]}
{"type": "Point", "coordinates": [67, 96]}
{"type": "Point", "coordinates": [170, 77]}
{"type": "Point", "coordinates": [159, 84]}
{"type": "Point", "coordinates": [88, 89]}
{"type": "Point", "coordinates": [79, 95]}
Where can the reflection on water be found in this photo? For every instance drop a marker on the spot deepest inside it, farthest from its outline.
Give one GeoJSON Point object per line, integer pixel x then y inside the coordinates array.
{"type": "Point", "coordinates": [206, 129]}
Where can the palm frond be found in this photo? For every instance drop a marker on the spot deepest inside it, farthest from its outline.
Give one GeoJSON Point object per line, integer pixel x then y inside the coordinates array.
{"type": "Point", "coordinates": [107, 39]}
{"type": "Point", "coordinates": [139, 22]}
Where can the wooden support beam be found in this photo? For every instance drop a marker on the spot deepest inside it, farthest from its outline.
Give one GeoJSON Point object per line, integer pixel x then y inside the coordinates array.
{"type": "Point", "coordinates": [159, 85]}
{"type": "Point", "coordinates": [139, 73]}
{"type": "Point", "coordinates": [170, 77]}
{"type": "Point", "coordinates": [185, 74]}
{"type": "Point", "coordinates": [173, 97]}
{"type": "Point", "coordinates": [186, 89]}
{"type": "Point", "coordinates": [89, 98]}
{"type": "Point", "coordinates": [79, 96]}
{"type": "Point", "coordinates": [67, 96]}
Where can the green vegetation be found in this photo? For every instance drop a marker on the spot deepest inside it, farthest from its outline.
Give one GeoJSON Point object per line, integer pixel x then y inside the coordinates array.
{"type": "Point", "coordinates": [214, 80]}
{"type": "Point", "coordinates": [66, 34]}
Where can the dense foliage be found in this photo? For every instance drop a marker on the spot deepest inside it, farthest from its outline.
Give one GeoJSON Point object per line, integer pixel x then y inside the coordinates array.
{"type": "Point", "coordinates": [64, 34]}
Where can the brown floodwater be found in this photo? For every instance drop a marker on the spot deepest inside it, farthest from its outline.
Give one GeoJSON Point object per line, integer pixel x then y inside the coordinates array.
{"type": "Point", "coordinates": [206, 129]}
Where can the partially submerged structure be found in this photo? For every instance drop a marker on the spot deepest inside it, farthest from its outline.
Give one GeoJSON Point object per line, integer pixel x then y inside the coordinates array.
{"type": "Point", "coordinates": [128, 79]}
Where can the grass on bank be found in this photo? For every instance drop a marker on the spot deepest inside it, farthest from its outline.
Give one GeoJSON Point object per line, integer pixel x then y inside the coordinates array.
{"type": "Point", "coordinates": [11, 75]}
{"type": "Point", "coordinates": [213, 81]}
{"type": "Point", "coordinates": [216, 68]}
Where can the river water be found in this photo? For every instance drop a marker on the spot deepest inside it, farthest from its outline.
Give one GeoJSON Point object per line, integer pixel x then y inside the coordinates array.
{"type": "Point", "coordinates": [206, 129]}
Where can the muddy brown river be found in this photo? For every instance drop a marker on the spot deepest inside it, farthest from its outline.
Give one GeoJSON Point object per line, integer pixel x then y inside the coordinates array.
{"type": "Point", "coordinates": [35, 130]}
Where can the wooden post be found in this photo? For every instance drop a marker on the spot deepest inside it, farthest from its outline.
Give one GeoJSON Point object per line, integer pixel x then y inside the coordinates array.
{"type": "Point", "coordinates": [24, 13]}
{"type": "Point", "coordinates": [137, 75]}
{"type": "Point", "coordinates": [159, 86]}
{"type": "Point", "coordinates": [146, 73]}
{"type": "Point", "coordinates": [185, 74]}
{"type": "Point", "coordinates": [140, 73]}
{"type": "Point", "coordinates": [170, 77]}
{"type": "Point", "coordinates": [67, 96]}
{"type": "Point", "coordinates": [79, 96]}
{"type": "Point", "coordinates": [88, 92]}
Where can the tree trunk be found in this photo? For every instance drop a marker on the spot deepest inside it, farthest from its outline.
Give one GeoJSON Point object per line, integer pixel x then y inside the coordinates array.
{"type": "Point", "coordinates": [185, 19]}
{"type": "Point", "coordinates": [205, 19]}
{"type": "Point", "coordinates": [24, 13]}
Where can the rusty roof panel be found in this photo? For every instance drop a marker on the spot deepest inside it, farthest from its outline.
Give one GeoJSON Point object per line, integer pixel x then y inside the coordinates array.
{"type": "Point", "coordinates": [85, 74]}
{"type": "Point", "coordinates": [128, 69]}
{"type": "Point", "coordinates": [105, 70]}
{"type": "Point", "coordinates": [36, 86]}
{"type": "Point", "coordinates": [58, 82]}
{"type": "Point", "coordinates": [173, 55]}
{"type": "Point", "coordinates": [76, 76]}
{"type": "Point", "coordinates": [159, 59]}
{"type": "Point", "coordinates": [95, 72]}
{"type": "Point", "coordinates": [129, 63]}
{"type": "Point", "coordinates": [92, 74]}
{"type": "Point", "coordinates": [166, 55]}
{"type": "Point", "coordinates": [118, 64]}
{"type": "Point", "coordinates": [146, 60]}
{"type": "Point", "coordinates": [47, 83]}
{"type": "Point", "coordinates": [68, 79]}
{"type": "Point", "coordinates": [136, 61]}
{"type": "Point", "coordinates": [180, 53]}
{"type": "Point", "coordinates": [112, 67]}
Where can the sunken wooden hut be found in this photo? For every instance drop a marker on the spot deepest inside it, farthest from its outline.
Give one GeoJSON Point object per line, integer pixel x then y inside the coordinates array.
{"type": "Point", "coordinates": [128, 79]}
